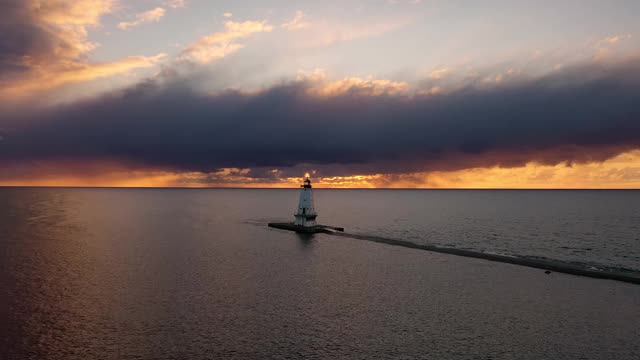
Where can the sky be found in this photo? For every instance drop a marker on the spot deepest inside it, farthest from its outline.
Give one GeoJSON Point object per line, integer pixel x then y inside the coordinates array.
{"type": "Point", "coordinates": [364, 94]}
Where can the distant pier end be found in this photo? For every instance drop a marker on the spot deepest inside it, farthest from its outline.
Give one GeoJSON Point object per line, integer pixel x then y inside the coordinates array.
{"type": "Point", "coordinates": [305, 216]}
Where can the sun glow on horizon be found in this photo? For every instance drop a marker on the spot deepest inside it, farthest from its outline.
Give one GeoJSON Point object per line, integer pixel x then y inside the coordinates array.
{"type": "Point", "coordinates": [620, 172]}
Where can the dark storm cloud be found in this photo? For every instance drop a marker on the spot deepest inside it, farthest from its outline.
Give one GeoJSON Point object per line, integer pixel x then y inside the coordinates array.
{"type": "Point", "coordinates": [29, 40]}
{"type": "Point", "coordinates": [22, 38]}
{"type": "Point", "coordinates": [16, 40]}
{"type": "Point", "coordinates": [580, 114]}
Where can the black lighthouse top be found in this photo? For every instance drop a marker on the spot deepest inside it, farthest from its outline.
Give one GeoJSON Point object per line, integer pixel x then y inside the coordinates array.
{"type": "Point", "coordinates": [307, 184]}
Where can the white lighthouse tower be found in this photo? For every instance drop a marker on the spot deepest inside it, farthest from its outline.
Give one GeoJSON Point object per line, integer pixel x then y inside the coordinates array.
{"type": "Point", "coordinates": [306, 214]}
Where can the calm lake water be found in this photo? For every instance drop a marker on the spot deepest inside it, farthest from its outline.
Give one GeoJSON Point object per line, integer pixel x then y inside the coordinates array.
{"type": "Point", "coordinates": [196, 274]}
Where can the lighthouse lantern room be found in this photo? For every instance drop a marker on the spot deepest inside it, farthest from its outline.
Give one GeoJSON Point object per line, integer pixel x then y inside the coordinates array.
{"type": "Point", "coordinates": [306, 214]}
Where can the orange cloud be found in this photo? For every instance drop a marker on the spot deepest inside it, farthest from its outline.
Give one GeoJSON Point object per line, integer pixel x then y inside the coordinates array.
{"type": "Point", "coordinates": [62, 58]}
{"type": "Point", "coordinates": [146, 17]}
{"type": "Point", "coordinates": [320, 85]}
{"type": "Point", "coordinates": [440, 73]}
{"type": "Point", "coordinates": [221, 44]}
{"type": "Point", "coordinates": [369, 86]}
{"type": "Point", "coordinates": [45, 79]}
{"type": "Point", "coordinates": [298, 22]}
{"type": "Point", "coordinates": [68, 22]}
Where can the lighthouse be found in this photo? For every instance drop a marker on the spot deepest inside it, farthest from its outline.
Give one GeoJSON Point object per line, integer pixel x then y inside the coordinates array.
{"type": "Point", "coordinates": [306, 213]}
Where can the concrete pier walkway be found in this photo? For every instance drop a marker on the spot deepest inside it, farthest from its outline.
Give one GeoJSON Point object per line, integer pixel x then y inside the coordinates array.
{"type": "Point", "coordinates": [534, 263]}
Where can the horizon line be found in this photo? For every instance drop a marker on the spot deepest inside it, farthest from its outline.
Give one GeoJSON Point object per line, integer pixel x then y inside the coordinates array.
{"type": "Point", "coordinates": [287, 188]}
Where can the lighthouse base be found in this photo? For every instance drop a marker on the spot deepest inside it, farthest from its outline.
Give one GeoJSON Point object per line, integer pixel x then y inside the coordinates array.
{"type": "Point", "coordinates": [306, 229]}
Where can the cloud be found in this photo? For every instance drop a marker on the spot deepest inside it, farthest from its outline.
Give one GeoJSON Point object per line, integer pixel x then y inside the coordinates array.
{"type": "Point", "coordinates": [318, 84]}
{"type": "Point", "coordinates": [146, 17]}
{"type": "Point", "coordinates": [615, 38]}
{"type": "Point", "coordinates": [35, 33]}
{"type": "Point", "coordinates": [227, 15]}
{"type": "Point", "coordinates": [606, 48]}
{"type": "Point", "coordinates": [434, 90]}
{"type": "Point", "coordinates": [176, 3]}
{"type": "Point", "coordinates": [78, 72]}
{"type": "Point", "coordinates": [221, 44]}
{"type": "Point", "coordinates": [361, 86]}
{"type": "Point", "coordinates": [298, 22]}
{"type": "Point", "coordinates": [576, 115]}
{"type": "Point", "coordinates": [44, 44]}
{"type": "Point", "coordinates": [440, 73]}
{"type": "Point", "coordinates": [79, 13]}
